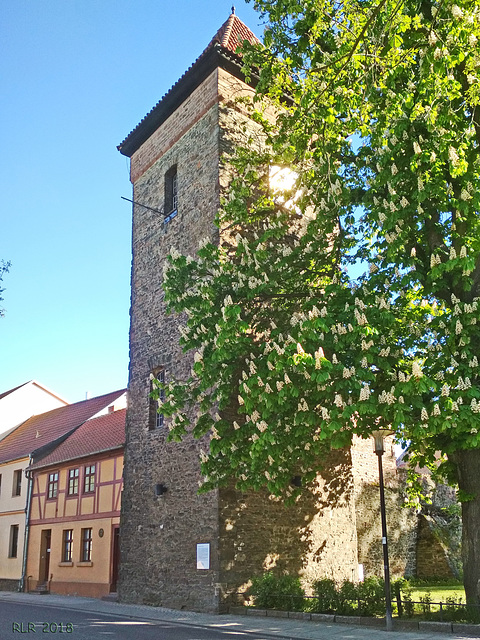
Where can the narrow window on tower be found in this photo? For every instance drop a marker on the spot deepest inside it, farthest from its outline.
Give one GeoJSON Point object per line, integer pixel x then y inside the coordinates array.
{"type": "Point", "coordinates": [171, 194]}
{"type": "Point", "coordinates": [156, 420]}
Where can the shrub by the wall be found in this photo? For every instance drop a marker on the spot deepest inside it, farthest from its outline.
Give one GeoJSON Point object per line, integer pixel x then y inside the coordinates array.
{"type": "Point", "coordinates": [282, 592]}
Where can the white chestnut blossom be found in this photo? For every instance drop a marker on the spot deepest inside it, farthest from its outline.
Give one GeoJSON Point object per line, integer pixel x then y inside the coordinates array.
{"type": "Point", "coordinates": [416, 370]}
{"type": "Point", "coordinates": [453, 156]}
{"type": "Point", "coordinates": [338, 401]}
{"type": "Point", "coordinates": [365, 392]}
{"type": "Point", "coordinates": [475, 406]}
{"type": "Point", "coordinates": [457, 13]}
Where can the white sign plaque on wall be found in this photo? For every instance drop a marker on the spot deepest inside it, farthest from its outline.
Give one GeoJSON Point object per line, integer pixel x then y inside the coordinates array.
{"type": "Point", "coordinates": [203, 555]}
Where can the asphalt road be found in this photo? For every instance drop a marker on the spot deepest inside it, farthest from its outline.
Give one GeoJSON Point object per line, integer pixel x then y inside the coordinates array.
{"type": "Point", "coordinates": [36, 620]}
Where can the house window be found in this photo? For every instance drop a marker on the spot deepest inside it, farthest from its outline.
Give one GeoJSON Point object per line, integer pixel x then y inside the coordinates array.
{"type": "Point", "coordinates": [86, 554]}
{"type": "Point", "coordinates": [13, 545]}
{"type": "Point", "coordinates": [67, 545]}
{"type": "Point", "coordinates": [171, 194]}
{"type": "Point", "coordinates": [73, 476]}
{"type": "Point", "coordinates": [17, 482]}
{"type": "Point", "coordinates": [89, 479]}
{"type": "Point", "coordinates": [156, 419]}
{"type": "Point", "coordinates": [52, 488]}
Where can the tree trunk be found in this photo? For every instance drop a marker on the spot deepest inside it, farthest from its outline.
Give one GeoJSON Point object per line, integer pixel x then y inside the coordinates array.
{"type": "Point", "coordinates": [468, 469]}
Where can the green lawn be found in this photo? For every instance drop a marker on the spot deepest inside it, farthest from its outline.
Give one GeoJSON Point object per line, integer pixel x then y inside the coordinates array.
{"type": "Point", "coordinates": [439, 593]}
{"type": "Point", "coordinates": [419, 603]}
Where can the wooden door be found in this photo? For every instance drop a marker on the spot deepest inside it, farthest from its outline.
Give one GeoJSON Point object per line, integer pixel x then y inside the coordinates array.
{"type": "Point", "coordinates": [45, 545]}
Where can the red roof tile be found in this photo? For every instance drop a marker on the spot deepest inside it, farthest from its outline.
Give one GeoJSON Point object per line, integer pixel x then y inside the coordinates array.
{"type": "Point", "coordinates": [44, 428]}
{"type": "Point", "coordinates": [6, 393]}
{"type": "Point", "coordinates": [232, 33]}
{"type": "Point", "coordinates": [93, 436]}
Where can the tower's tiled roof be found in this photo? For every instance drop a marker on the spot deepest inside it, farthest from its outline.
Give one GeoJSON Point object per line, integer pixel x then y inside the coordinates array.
{"type": "Point", "coordinates": [104, 433]}
{"type": "Point", "coordinates": [232, 33]}
{"type": "Point", "coordinates": [39, 431]}
{"type": "Point", "coordinates": [227, 39]}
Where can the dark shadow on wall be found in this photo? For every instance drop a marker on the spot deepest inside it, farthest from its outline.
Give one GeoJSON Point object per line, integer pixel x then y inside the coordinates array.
{"type": "Point", "coordinates": [312, 538]}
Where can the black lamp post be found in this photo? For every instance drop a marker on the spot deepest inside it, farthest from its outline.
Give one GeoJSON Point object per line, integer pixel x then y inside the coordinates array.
{"type": "Point", "coordinates": [378, 436]}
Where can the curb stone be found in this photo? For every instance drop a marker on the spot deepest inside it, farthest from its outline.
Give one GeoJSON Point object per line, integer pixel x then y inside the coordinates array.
{"type": "Point", "coordinates": [470, 630]}
{"type": "Point", "coordinates": [467, 629]}
{"type": "Point", "coordinates": [443, 627]}
{"type": "Point", "coordinates": [295, 628]}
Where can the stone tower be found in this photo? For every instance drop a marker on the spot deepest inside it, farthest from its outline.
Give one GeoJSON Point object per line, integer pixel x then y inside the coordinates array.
{"type": "Point", "coordinates": [180, 549]}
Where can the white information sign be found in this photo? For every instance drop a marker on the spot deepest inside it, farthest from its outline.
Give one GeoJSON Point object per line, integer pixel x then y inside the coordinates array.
{"type": "Point", "coordinates": [203, 555]}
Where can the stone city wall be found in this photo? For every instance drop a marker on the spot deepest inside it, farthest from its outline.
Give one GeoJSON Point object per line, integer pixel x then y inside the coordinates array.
{"type": "Point", "coordinates": [401, 521]}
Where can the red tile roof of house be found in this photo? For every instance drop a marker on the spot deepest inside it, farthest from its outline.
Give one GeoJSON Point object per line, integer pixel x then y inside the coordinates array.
{"type": "Point", "coordinates": [232, 33]}
{"type": "Point", "coordinates": [32, 382]}
{"type": "Point", "coordinates": [6, 393]}
{"type": "Point", "coordinates": [104, 433]}
{"type": "Point", "coordinates": [38, 431]}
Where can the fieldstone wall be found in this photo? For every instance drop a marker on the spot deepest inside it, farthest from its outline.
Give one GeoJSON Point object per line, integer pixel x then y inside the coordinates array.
{"type": "Point", "coordinates": [247, 533]}
{"type": "Point", "coordinates": [432, 552]}
{"type": "Point", "coordinates": [159, 534]}
{"type": "Point", "coordinates": [9, 585]}
{"type": "Point", "coordinates": [401, 522]}
{"type": "Point", "coordinates": [314, 538]}
{"type": "Point", "coordinates": [439, 543]}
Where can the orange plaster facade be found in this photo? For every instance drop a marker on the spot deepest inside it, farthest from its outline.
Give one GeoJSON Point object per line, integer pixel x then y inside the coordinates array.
{"type": "Point", "coordinates": [73, 546]}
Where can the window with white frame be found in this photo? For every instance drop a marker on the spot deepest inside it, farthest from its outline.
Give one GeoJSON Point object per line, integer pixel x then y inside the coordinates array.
{"type": "Point", "coordinates": [73, 479]}
{"type": "Point", "coordinates": [86, 549]}
{"type": "Point", "coordinates": [67, 545]}
{"type": "Point", "coordinates": [89, 479]}
{"type": "Point", "coordinates": [52, 487]}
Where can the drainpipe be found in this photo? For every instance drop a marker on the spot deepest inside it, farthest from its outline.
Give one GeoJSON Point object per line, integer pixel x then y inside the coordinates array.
{"type": "Point", "coordinates": [28, 475]}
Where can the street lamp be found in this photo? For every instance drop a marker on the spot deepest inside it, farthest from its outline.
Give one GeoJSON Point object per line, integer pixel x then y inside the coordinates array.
{"type": "Point", "coordinates": [378, 436]}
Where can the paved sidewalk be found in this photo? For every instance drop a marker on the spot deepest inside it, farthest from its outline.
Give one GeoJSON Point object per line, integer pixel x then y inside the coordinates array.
{"type": "Point", "coordinates": [269, 627]}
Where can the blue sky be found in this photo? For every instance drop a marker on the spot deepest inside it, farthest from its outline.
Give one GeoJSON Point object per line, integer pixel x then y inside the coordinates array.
{"type": "Point", "coordinates": [76, 77]}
